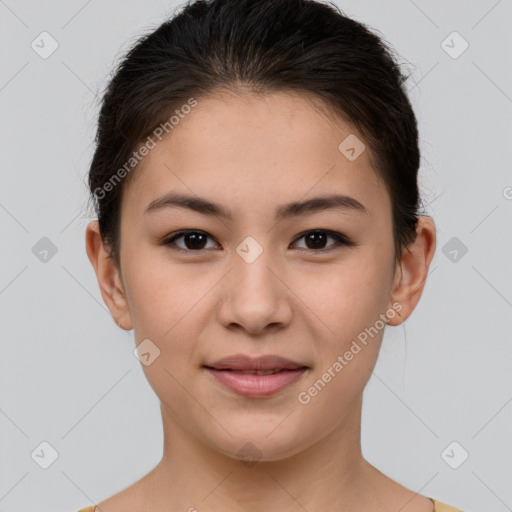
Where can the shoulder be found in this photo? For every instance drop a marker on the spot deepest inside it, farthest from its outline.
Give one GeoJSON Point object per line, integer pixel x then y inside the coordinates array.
{"type": "Point", "coordinates": [438, 507]}
{"type": "Point", "coordinates": [442, 507]}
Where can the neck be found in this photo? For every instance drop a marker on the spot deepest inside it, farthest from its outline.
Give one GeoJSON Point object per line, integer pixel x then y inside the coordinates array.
{"type": "Point", "coordinates": [328, 475]}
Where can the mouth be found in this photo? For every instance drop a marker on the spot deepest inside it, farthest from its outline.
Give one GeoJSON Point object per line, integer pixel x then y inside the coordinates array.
{"type": "Point", "coordinates": [256, 377]}
{"type": "Point", "coordinates": [256, 372]}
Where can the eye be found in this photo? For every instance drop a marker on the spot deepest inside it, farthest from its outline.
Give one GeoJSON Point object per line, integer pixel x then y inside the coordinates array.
{"type": "Point", "coordinates": [193, 240]}
{"type": "Point", "coordinates": [315, 240]}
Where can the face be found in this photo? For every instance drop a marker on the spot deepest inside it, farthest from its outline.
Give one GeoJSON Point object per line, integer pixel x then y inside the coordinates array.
{"type": "Point", "coordinates": [264, 278]}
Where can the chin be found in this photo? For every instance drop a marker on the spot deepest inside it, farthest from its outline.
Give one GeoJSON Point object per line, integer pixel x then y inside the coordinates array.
{"type": "Point", "coordinates": [252, 444]}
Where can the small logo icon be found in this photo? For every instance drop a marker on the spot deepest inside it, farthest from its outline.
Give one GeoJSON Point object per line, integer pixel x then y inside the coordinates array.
{"type": "Point", "coordinates": [351, 147]}
{"type": "Point", "coordinates": [146, 352]}
{"type": "Point", "coordinates": [44, 455]}
{"type": "Point", "coordinates": [454, 455]}
{"type": "Point", "coordinates": [44, 250]}
{"type": "Point", "coordinates": [250, 454]}
{"type": "Point", "coordinates": [44, 45]}
{"type": "Point", "coordinates": [454, 45]}
{"type": "Point", "coordinates": [454, 249]}
{"type": "Point", "coordinates": [249, 249]}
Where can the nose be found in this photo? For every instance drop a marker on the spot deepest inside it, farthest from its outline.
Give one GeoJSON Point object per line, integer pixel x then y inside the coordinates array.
{"type": "Point", "coordinates": [255, 297]}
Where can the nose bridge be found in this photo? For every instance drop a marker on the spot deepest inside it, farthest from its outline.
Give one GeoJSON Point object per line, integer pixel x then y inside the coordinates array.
{"type": "Point", "coordinates": [252, 270]}
{"type": "Point", "coordinates": [255, 296]}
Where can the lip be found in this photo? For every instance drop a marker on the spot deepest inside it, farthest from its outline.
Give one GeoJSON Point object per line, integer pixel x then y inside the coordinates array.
{"type": "Point", "coordinates": [226, 371]}
{"type": "Point", "coordinates": [256, 385]}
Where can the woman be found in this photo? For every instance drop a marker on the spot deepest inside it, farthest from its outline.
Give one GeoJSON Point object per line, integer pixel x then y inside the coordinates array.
{"type": "Point", "coordinates": [259, 224]}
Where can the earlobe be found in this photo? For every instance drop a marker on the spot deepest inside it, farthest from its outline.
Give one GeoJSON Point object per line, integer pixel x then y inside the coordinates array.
{"type": "Point", "coordinates": [108, 276]}
{"type": "Point", "coordinates": [411, 274]}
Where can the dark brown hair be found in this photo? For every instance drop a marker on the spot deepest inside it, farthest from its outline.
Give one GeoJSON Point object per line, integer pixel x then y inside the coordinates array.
{"type": "Point", "coordinates": [301, 46]}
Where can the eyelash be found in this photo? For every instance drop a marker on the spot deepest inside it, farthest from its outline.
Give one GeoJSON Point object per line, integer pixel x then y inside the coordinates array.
{"type": "Point", "coordinates": [341, 240]}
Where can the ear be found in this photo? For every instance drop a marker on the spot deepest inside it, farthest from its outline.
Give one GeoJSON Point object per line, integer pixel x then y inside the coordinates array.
{"type": "Point", "coordinates": [412, 270]}
{"type": "Point", "coordinates": [108, 275]}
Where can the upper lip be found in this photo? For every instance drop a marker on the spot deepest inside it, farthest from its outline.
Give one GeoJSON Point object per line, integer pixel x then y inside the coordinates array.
{"type": "Point", "coordinates": [244, 362]}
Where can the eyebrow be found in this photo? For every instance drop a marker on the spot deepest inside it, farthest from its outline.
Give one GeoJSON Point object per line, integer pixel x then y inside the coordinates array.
{"type": "Point", "coordinates": [294, 209]}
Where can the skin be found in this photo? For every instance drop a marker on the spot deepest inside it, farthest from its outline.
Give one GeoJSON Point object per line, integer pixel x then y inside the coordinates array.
{"type": "Point", "coordinates": [252, 153]}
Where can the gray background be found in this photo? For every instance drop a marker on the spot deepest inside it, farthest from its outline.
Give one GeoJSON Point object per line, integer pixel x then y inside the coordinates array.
{"type": "Point", "coordinates": [68, 374]}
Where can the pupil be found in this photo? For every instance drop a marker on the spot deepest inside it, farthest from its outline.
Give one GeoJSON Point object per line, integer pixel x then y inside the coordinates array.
{"type": "Point", "coordinates": [197, 243]}
{"type": "Point", "coordinates": [314, 238]}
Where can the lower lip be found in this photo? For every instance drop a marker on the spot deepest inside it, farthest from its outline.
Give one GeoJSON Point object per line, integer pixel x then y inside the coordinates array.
{"type": "Point", "coordinates": [257, 385]}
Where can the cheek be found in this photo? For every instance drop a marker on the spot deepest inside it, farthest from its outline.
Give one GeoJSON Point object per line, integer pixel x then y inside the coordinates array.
{"type": "Point", "coordinates": [346, 297]}
{"type": "Point", "coordinates": [348, 300]}
{"type": "Point", "coordinates": [350, 304]}
{"type": "Point", "coordinates": [165, 308]}
{"type": "Point", "coordinates": [151, 302]}
{"type": "Point", "coordinates": [159, 298]}
{"type": "Point", "coordinates": [170, 306]}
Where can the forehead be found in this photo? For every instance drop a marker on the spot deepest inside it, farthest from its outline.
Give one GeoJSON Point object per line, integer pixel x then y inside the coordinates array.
{"type": "Point", "coordinates": [270, 147]}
